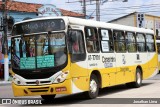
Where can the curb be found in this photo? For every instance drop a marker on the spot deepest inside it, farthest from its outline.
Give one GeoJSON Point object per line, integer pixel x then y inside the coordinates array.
{"type": "Point", "coordinates": [3, 83]}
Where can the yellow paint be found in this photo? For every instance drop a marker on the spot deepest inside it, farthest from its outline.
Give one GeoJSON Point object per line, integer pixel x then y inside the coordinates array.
{"type": "Point", "coordinates": [77, 71]}
{"type": "Point", "coordinates": [112, 79]}
{"type": "Point", "coordinates": [106, 80]}
{"type": "Point", "coordinates": [81, 83]}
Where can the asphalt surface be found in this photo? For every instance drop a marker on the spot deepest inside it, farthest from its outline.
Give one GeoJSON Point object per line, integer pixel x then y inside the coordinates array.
{"type": "Point", "coordinates": [120, 95]}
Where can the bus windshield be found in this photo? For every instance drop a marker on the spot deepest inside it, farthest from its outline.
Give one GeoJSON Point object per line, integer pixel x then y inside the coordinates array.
{"type": "Point", "coordinates": [39, 51]}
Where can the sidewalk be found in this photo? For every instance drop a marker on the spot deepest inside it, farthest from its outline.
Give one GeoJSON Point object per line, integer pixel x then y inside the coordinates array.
{"type": "Point", "coordinates": [2, 83]}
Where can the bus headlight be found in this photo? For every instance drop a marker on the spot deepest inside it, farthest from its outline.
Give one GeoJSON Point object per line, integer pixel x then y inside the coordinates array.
{"type": "Point", "coordinates": [16, 80]}
{"type": "Point", "coordinates": [60, 78]}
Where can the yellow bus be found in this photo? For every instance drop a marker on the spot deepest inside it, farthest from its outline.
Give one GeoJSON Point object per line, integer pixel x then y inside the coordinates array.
{"type": "Point", "coordinates": [66, 55]}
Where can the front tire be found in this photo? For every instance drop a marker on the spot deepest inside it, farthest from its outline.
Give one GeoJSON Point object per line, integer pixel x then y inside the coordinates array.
{"type": "Point", "coordinates": [48, 97]}
{"type": "Point", "coordinates": [93, 87]}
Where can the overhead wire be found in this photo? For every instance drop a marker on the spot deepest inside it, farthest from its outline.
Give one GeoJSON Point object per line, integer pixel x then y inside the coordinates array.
{"type": "Point", "coordinates": [126, 7]}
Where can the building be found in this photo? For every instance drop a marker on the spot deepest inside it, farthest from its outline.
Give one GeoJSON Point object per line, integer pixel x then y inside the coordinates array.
{"type": "Point", "coordinates": [18, 11]}
{"type": "Point", "coordinates": [140, 20]}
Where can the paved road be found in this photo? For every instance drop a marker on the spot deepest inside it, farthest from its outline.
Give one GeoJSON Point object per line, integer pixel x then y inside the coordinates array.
{"type": "Point", "coordinates": [149, 89]}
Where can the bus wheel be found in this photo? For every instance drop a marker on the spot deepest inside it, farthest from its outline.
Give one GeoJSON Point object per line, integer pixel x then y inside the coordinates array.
{"type": "Point", "coordinates": [138, 81]}
{"type": "Point", "coordinates": [93, 87]}
{"type": "Point", "coordinates": [48, 97]}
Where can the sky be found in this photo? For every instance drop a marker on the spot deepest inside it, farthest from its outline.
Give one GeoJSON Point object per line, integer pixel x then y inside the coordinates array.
{"type": "Point", "coordinates": [110, 10]}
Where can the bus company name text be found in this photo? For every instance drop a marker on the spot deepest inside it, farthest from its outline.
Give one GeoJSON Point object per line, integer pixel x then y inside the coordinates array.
{"type": "Point", "coordinates": [108, 61]}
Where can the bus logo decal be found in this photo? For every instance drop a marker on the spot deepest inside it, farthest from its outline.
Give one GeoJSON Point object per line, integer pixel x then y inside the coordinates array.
{"type": "Point", "coordinates": [37, 82]}
{"type": "Point", "coordinates": [123, 59]}
{"type": "Point", "coordinates": [138, 58]}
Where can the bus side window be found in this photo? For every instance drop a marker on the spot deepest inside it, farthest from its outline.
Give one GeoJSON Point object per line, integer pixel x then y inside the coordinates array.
{"type": "Point", "coordinates": [131, 41]}
{"type": "Point", "coordinates": [92, 42]}
{"type": "Point", "coordinates": [141, 45]}
{"type": "Point", "coordinates": [106, 40]}
{"type": "Point", "coordinates": [76, 45]}
{"type": "Point", "coordinates": [150, 43]}
{"type": "Point", "coordinates": [158, 48]}
{"type": "Point", "coordinates": [75, 42]}
{"type": "Point", "coordinates": [119, 39]}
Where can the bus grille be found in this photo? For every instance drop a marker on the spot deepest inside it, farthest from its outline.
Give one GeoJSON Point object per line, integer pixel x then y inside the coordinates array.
{"type": "Point", "coordinates": [41, 82]}
{"type": "Point", "coordinates": [41, 89]}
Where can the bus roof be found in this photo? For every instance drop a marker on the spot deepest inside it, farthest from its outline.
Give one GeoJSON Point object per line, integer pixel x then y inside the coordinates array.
{"type": "Point", "coordinates": [92, 23]}
{"type": "Point", "coordinates": [83, 22]}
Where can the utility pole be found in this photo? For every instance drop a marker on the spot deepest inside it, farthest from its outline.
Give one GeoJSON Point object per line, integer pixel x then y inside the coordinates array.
{"type": "Point", "coordinates": [5, 42]}
{"type": "Point", "coordinates": [97, 2]}
{"type": "Point", "coordinates": [97, 10]}
{"type": "Point", "coordinates": [83, 4]}
{"type": "Point", "coordinates": [84, 8]}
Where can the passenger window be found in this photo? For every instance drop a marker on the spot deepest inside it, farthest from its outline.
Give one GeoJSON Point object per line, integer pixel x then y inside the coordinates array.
{"type": "Point", "coordinates": [92, 40]}
{"type": "Point", "coordinates": [106, 40]}
{"type": "Point", "coordinates": [141, 42]}
{"type": "Point", "coordinates": [131, 41]}
{"type": "Point", "coordinates": [120, 45]}
{"type": "Point", "coordinates": [76, 42]}
{"type": "Point", "coordinates": [76, 45]}
{"type": "Point", "coordinates": [150, 42]}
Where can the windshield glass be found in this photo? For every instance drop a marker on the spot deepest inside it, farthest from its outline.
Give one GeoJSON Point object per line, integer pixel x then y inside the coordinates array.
{"type": "Point", "coordinates": [38, 51]}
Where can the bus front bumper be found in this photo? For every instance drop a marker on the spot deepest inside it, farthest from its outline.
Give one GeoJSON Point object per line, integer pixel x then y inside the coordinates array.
{"type": "Point", "coordinates": [60, 88]}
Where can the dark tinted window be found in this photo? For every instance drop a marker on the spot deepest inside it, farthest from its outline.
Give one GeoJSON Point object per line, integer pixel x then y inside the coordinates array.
{"type": "Point", "coordinates": [131, 41]}
{"type": "Point", "coordinates": [141, 42]}
{"type": "Point", "coordinates": [119, 41]}
{"type": "Point", "coordinates": [150, 42]}
{"type": "Point", "coordinates": [158, 48]}
{"type": "Point", "coordinates": [76, 45]}
{"type": "Point", "coordinates": [92, 42]}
